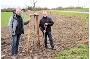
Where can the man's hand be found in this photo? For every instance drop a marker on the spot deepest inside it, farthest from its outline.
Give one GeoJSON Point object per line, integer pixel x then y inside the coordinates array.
{"type": "Point", "coordinates": [28, 19]}
{"type": "Point", "coordinates": [44, 31]}
{"type": "Point", "coordinates": [35, 14]}
{"type": "Point", "coordinates": [46, 24]}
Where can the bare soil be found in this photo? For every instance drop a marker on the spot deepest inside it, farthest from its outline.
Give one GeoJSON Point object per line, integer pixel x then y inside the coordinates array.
{"type": "Point", "coordinates": [67, 33]}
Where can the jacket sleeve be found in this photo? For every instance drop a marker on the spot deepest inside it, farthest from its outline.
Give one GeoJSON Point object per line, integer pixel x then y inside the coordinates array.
{"type": "Point", "coordinates": [51, 22]}
{"type": "Point", "coordinates": [40, 26]}
{"type": "Point", "coordinates": [10, 24]}
{"type": "Point", "coordinates": [25, 23]}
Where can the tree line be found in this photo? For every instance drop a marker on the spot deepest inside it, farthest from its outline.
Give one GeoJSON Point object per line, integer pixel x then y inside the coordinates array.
{"type": "Point", "coordinates": [37, 9]}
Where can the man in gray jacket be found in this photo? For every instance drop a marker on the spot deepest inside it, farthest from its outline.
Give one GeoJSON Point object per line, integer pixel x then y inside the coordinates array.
{"type": "Point", "coordinates": [16, 26]}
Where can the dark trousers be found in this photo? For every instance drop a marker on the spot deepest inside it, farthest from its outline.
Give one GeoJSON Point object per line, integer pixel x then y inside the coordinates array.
{"type": "Point", "coordinates": [50, 39]}
{"type": "Point", "coordinates": [15, 43]}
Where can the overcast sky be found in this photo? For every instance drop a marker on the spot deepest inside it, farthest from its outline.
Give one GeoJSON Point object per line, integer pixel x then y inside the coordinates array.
{"type": "Point", "coordinates": [44, 3]}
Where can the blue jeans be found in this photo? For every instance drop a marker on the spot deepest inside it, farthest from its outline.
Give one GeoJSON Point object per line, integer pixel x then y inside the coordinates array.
{"type": "Point", "coordinates": [15, 43]}
{"type": "Point", "coordinates": [50, 39]}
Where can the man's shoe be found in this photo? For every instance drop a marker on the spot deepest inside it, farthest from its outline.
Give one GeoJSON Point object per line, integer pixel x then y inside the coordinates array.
{"type": "Point", "coordinates": [13, 57]}
{"type": "Point", "coordinates": [16, 55]}
{"type": "Point", "coordinates": [53, 49]}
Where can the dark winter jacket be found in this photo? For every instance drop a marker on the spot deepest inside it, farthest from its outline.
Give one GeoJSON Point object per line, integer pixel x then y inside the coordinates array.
{"type": "Point", "coordinates": [44, 20]}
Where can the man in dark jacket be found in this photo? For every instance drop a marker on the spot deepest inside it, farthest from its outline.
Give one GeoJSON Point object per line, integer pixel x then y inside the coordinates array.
{"type": "Point", "coordinates": [48, 22]}
{"type": "Point", "coordinates": [16, 26]}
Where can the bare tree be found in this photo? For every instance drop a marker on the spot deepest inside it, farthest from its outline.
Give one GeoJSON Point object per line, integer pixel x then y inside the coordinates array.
{"type": "Point", "coordinates": [34, 3]}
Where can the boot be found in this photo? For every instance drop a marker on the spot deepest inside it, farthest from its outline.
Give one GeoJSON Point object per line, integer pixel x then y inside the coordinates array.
{"type": "Point", "coordinates": [13, 57]}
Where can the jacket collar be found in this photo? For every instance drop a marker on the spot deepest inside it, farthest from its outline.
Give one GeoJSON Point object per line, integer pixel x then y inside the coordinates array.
{"type": "Point", "coordinates": [14, 16]}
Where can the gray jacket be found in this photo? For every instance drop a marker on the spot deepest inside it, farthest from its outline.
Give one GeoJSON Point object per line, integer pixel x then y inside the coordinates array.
{"type": "Point", "coordinates": [13, 24]}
